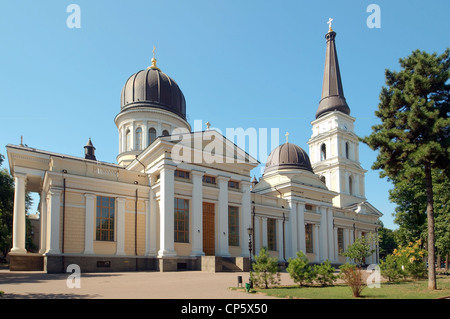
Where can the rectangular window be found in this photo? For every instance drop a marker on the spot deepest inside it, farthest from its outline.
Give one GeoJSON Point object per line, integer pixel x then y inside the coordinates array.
{"type": "Point", "coordinates": [209, 179]}
{"type": "Point", "coordinates": [271, 234]}
{"type": "Point", "coordinates": [233, 184]}
{"type": "Point", "coordinates": [309, 238]}
{"type": "Point", "coordinates": [181, 174]}
{"type": "Point", "coordinates": [181, 220]}
{"type": "Point", "coordinates": [308, 207]}
{"type": "Point", "coordinates": [340, 238]}
{"type": "Point", "coordinates": [233, 226]}
{"type": "Point", "coordinates": [104, 228]}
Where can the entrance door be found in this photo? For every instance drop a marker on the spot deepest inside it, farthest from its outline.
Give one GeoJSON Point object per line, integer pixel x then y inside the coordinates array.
{"type": "Point", "coordinates": [208, 229]}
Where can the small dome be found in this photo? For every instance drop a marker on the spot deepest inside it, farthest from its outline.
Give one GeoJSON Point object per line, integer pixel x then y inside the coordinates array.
{"type": "Point", "coordinates": [153, 88]}
{"type": "Point", "coordinates": [288, 156]}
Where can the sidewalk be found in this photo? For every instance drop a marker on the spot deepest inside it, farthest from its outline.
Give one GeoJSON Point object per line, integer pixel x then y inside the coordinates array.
{"type": "Point", "coordinates": [129, 285]}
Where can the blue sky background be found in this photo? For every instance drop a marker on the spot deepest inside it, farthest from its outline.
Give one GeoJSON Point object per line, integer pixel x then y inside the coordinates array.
{"type": "Point", "coordinates": [239, 64]}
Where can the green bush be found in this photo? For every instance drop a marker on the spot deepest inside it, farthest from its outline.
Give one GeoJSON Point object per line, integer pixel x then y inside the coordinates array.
{"type": "Point", "coordinates": [391, 269]}
{"type": "Point", "coordinates": [265, 270]}
{"type": "Point", "coordinates": [300, 270]}
{"type": "Point", "coordinates": [325, 273]}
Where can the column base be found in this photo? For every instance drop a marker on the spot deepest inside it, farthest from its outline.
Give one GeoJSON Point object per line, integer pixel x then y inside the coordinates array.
{"type": "Point", "coordinates": [16, 250]}
{"type": "Point", "coordinates": [167, 253]}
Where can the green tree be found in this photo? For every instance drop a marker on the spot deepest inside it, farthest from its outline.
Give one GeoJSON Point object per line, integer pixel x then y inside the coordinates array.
{"type": "Point", "coordinates": [6, 209]}
{"type": "Point", "coordinates": [300, 270]}
{"type": "Point", "coordinates": [361, 248]}
{"type": "Point", "coordinates": [325, 273]}
{"type": "Point", "coordinates": [265, 270]}
{"type": "Point", "coordinates": [413, 137]}
{"type": "Point", "coordinates": [387, 241]}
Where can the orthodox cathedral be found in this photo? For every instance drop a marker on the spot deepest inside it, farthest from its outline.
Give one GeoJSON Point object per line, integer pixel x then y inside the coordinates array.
{"type": "Point", "coordinates": [169, 204]}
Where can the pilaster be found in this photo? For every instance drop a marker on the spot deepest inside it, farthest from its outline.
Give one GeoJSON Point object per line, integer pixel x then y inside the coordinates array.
{"type": "Point", "coordinates": [89, 223]}
{"type": "Point", "coordinates": [223, 216]}
{"type": "Point", "coordinates": [197, 213]}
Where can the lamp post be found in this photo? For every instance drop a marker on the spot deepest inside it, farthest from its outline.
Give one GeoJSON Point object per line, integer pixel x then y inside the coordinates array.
{"type": "Point", "coordinates": [250, 245]}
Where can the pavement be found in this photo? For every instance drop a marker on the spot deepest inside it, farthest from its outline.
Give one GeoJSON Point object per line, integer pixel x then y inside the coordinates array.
{"type": "Point", "coordinates": [127, 285]}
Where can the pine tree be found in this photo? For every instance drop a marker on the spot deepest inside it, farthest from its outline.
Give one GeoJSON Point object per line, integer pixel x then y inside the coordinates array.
{"type": "Point", "coordinates": [413, 137]}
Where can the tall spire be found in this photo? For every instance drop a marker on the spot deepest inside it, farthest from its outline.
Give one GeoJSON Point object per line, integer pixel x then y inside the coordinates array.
{"type": "Point", "coordinates": [332, 92]}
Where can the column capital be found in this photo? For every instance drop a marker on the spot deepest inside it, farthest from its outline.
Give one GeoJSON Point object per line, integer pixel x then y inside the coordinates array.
{"type": "Point", "coordinates": [20, 175]}
{"type": "Point", "coordinates": [222, 178]}
{"type": "Point", "coordinates": [197, 173]}
{"type": "Point", "coordinates": [90, 195]}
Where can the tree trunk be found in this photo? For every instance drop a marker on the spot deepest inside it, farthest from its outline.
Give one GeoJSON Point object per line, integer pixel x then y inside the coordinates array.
{"type": "Point", "coordinates": [430, 220]}
{"type": "Point", "coordinates": [446, 263]}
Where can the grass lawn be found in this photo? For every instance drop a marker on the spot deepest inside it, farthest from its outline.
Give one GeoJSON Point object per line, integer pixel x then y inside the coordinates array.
{"type": "Point", "coordinates": [401, 290]}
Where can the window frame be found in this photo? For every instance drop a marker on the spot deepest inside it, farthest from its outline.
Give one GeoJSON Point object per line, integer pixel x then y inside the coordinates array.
{"type": "Point", "coordinates": [233, 226]}
{"type": "Point", "coordinates": [181, 220]}
{"type": "Point", "coordinates": [100, 220]}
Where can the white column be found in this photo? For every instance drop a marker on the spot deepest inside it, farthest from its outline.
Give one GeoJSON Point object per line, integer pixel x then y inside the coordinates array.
{"type": "Point", "coordinates": [301, 226]}
{"type": "Point", "coordinates": [264, 231]}
{"type": "Point", "coordinates": [124, 139]}
{"type": "Point", "coordinates": [245, 217]}
{"type": "Point", "coordinates": [53, 221]}
{"type": "Point", "coordinates": [330, 233]}
{"type": "Point", "coordinates": [152, 226]}
{"type": "Point", "coordinates": [19, 214]}
{"type": "Point", "coordinates": [280, 238]}
{"type": "Point", "coordinates": [357, 192]}
{"type": "Point", "coordinates": [316, 242]}
{"type": "Point", "coordinates": [43, 209]}
{"type": "Point", "coordinates": [120, 239]}
{"type": "Point", "coordinates": [336, 248]}
{"type": "Point", "coordinates": [166, 212]}
{"type": "Point", "coordinates": [197, 213]}
{"type": "Point", "coordinates": [147, 226]}
{"type": "Point", "coordinates": [144, 135]}
{"type": "Point", "coordinates": [89, 223]}
{"type": "Point", "coordinates": [132, 147]}
{"type": "Point", "coordinates": [346, 240]}
{"type": "Point", "coordinates": [323, 233]}
{"type": "Point", "coordinates": [347, 184]}
{"type": "Point", "coordinates": [223, 216]}
{"type": "Point", "coordinates": [293, 226]}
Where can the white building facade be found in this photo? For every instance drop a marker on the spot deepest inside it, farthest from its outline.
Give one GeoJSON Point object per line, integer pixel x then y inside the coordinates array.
{"type": "Point", "coordinates": [178, 199]}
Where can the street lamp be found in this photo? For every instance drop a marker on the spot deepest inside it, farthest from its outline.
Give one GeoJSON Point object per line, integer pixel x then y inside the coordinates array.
{"type": "Point", "coordinates": [250, 245]}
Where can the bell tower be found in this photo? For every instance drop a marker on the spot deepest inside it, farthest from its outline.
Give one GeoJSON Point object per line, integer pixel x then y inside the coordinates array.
{"type": "Point", "coordinates": [334, 146]}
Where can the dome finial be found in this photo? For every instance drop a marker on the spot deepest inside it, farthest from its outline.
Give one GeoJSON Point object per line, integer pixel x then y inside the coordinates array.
{"type": "Point", "coordinates": [329, 25]}
{"type": "Point", "coordinates": [287, 137]}
{"type": "Point", "coordinates": [154, 60]}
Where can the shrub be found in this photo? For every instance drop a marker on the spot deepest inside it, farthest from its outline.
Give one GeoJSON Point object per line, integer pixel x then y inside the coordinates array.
{"type": "Point", "coordinates": [390, 268]}
{"type": "Point", "coordinates": [352, 277]}
{"type": "Point", "coordinates": [325, 273]}
{"type": "Point", "coordinates": [265, 270]}
{"type": "Point", "coordinates": [411, 260]}
{"type": "Point", "coordinates": [300, 270]}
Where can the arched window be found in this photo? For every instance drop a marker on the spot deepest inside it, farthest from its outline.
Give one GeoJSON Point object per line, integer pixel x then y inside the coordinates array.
{"type": "Point", "coordinates": [323, 179]}
{"type": "Point", "coordinates": [350, 185]}
{"type": "Point", "coordinates": [128, 141]}
{"type": "Point", "coordinates": [165, 133]}
{"type": "Point", "coordinates": [151, 135]}
{"type": "Point", "coordinates": [347, 150]}
{"type": "Point", "coordinates": [323, 152]}
{"type": "Point", "coordinates": [138, 141]}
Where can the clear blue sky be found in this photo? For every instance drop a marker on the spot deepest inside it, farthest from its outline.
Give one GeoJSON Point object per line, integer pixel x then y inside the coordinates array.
{"type": "Point", "coordinates": [239, 64]}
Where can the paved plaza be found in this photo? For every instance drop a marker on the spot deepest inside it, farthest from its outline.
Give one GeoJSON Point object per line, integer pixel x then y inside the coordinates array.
{"type": "Point", "coordinates": [129, 285]}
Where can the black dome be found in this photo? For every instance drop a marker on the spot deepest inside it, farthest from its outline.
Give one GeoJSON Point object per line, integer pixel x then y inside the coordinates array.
{"type": "Point", "coordinates": [153, 88]}
{"type": "Point", "coordinates": [288, 156]}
